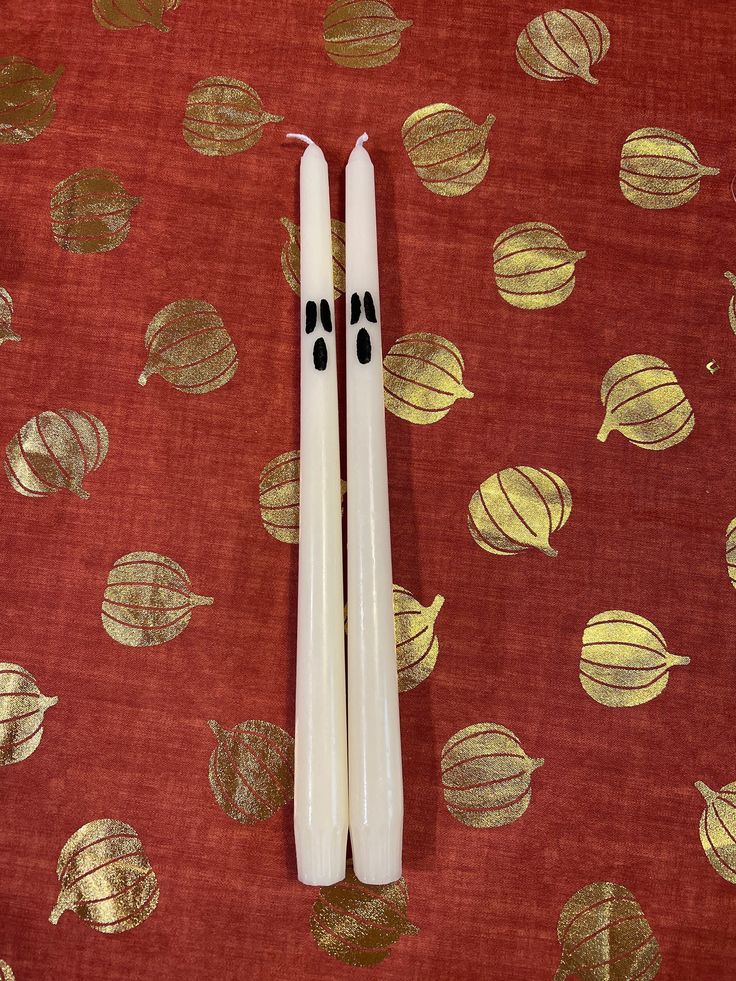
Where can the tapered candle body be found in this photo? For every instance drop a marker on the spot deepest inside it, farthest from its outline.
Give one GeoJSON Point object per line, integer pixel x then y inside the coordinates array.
{"type": "Point", "coordinates": [374, 740]}
{"type": "Point", "coordinates": [320, 770]}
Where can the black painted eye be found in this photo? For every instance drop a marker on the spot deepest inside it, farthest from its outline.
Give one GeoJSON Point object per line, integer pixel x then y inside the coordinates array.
{"type": "Point", "coordinates": [370, 310]}
{"type": "Point", "coordinates": [354, 308]}
{"type": "Point", "coordinates": [319, 354]}
{"type": "Point", "coordinates": [363, 346]}
{"type": "Point", "coordinates": [311, 312]}
{"type": "Point", "coordinates": [325, 315]}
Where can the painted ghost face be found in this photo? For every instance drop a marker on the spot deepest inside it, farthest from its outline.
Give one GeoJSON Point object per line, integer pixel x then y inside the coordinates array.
{"type": "Point", "coordinates": [357, 311]}
{"type": "Point", "coordinates": [319, 351]}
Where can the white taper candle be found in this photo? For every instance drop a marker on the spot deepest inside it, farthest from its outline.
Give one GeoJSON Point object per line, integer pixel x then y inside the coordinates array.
{"type": "Point", "coordinates": [320, 766]}
{"type": "Point", "coordinates": [374, 739]}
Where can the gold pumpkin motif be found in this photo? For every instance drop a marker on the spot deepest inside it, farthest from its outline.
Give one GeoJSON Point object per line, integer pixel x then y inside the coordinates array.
{"type": "Point", "coordinates": [278, 497]}
{"type": "Point", "coordinates": [252, 770]}
{"type": "Point", "coordinates": [534, 266]}
{"type": "Point", "coordinates": [27, 103]}
{"type": "Point", "coordinates": [357, 923]}
{"type": "Point", "coordinates": [5, 973]}
{"type": "Point", "coordinates": [644, 402]}
{"type": "Point", "coordinates": [423, 378]}
{"type": "Point", "coordinates": [90, 212]}
{"type": "Point", "coordinates": [605, 936]}
{"type": "Point", "coordinates": [106, 878]}
{"type": "Point", "coordinates": [660, 169]}
{"type": "Point", "coordinates": [120, 15]}
{"type": "Point", "coordinates": [486, 776]}
{"type": "Point", "coordinates": [6, 317]}
{"type": "Point", "coordinates": [189, 347]}
{"type": "Point", "coordinates": [447, 149]}
{"type": "Point", "coordinates": [148, 600]}
{"type": "Point", "coordinates": [563, 44]}
{"type": "Point", "coordinates": [363, 33]}
{"type": "Point", "coordinates": [731, 552]}
{"type": "Point", "coordinates": [519, 508]}
{"type": "Point", "coordinates": [624, 661]}
{"type": "Point", "coordinates": [291, 258]}
{"type": "Point", "coordinates": [718, 828]}
{"type": "Point", "coordinates": [55, 450]}
{"type": "Point", "coordinates": [732, 302]}
{"type": "Point", "coordinates": [417, 645]}
{"type": "Point", "coordinates": [22, 708]}
{"type": "Point", "coordinates": [224, 116]}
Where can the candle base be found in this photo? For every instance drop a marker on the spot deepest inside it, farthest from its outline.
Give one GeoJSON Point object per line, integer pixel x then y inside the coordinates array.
{"type": "Point", "coordinates": [377, 854]}
{"type": "Point", "coordinates": [320, 856]}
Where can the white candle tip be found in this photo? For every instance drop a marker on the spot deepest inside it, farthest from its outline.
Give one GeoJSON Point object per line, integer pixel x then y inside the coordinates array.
{"type": "Point", "coordinates": [300, 136]}
{"type": "Point", "coordinates": [361, 139]}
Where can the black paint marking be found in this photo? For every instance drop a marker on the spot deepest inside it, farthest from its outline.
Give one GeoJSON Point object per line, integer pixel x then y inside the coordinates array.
{"type": "Point", "coordinates": [311, 316]}
{"type": "Point", "coordinates": [363, 346]}
{"type": "Point", "coordinates": [325, 315]}
{"type": "Point", "coordinates": [370, 310]}
{"type": "Point", "coordinates": [354, 308]}
{"type": "Point", "coordinates": [320, 354]}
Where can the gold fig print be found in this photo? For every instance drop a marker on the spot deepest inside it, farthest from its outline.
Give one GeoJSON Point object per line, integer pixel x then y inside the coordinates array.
{"type": "Point", "coordinates": [189, 347]}
{"type": "Point", "coordinates": [5, 973]}
{"type": "Point", "coordinates": [278, 497]}
{"type": "Point", "coordinates": [644, 402]}
{"type": "Point", "coordinates": [27, 103]}
{"type": "Point", "coordinates": [417, 645]}
{"type": "Point", "coordinates": [22, 708]}
{"type": "Point", "coordinates": [252, 770]}
{"type": "Point", "coordinates": [718, 828]}
{"type": "Point", "coordinates": [291, 259]}
{"type": "Point", "coordinates": [660, 169]}
{"type": "Point", "coordinates": [423, 378]}
{"type": "Point", "coordinates": [624, 661]}
{"type": "Point", "coordinates": [486, 776]}
{"type": "Point", "coordinates": [732, 302]}
{"type": "Point", "coordinates": [605, 936]}
{"type": "Point", "coordinates": [120, 15]}
{"type": "Point", "coordinates": [563, 44]}
{"type": "Point", "coordinates": [148, 600]}
{"type": "Point", "coordinates": [90, 212]}
{"type": "Point", "coordinates": [362, 33]}
{"type": "Point", "coordinates": [55, 450]}
{"type": "Point", "coordinates": [224, 116]}
{"type": "Point", "coordinates": [731, 552]}
{"type": "Point", "coordinates": [534, 266]}
{"type": "Point", "coordinates": [106, 878]}
{"type": "Point", "coordinates": [6, 317]}
{"type": "Point", "coordinates": [519, 508]}
{"type": "Point", "coordinates": [447, 149]}
{"type": "Point", "coordinates": [357, 923]}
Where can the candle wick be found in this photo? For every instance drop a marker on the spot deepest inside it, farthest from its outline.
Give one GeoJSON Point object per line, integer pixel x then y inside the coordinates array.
{"type": "Point", "coordinates": [299, 136]}
{"type": "Point", "coordinates": [361, 139]}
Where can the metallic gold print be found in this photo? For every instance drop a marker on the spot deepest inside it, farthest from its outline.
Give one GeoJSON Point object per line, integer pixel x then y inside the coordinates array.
{"type": "Point", "coordinates": [718, 828]}
{"type": "Point", "coordinates": [27, 103]}
{"type": "Point", "coordinates": [731, 552]}
{"type": "Point", "coordinates": [55, 450]}
{"type": "Point", "coordinates": [732, 302]}
{"type": "Point", "coordinates": [486, 776]}
{"type": "Point", "coordinates": [120, 15]}
{"type": "Point", "coordinates": [362, 34]}
{"type": "Point", "coordinates": [6, 317]}
{"type": "Point", "coordinates": [417, 645]}
{"type": "Point", "coordinates": [5, 972]}
{"type": "Point", "coordinates": [148, 600]}
{"type": "Point", "coordinates": [645, 403]}
{"type": "Point", "coordinates": [519, 508]}
{"type": "Point", "coordinates": [660, 169]}
{"type": "Point", "coordinates": [224, 116]}
{"type": "Point", "coordinates": [423, 378]}
{"type": "Point", "coordinates": [290, 256]}
{"type": "Point", "coordinates": [447, 149]}
{"type": "Point", "coordinates": [624, 660]}
{"type": "Point", "coordinates": [605, 936]}
{"type": "Point", "coordinates": [562, 44]}
{"type": "Point", "coordinates": [534, 266]}
{"type": "Point", "coordinates": [278, 497]}
{"type": "Point", "coordinates": [106, 878]}
{"type": "Point", "coordinates": [252, 770]}
{"type": "Point", "coordinates": [22, 709]}
{"type": "Point", "coordinates": [357, 923]}
{"type": "Point", "coordinates": [90, 212]}
{"type": "Point", "coordinates": [189, 347]}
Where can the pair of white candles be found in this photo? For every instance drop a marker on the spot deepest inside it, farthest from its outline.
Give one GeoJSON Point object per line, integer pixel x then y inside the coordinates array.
{"type": "Point", "coordinates": [367, 743]}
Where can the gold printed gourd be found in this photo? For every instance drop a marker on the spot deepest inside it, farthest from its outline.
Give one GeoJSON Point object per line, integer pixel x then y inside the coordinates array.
{"type": "Point", "coordinates": [563, 44]}
{"type": "Point", "coordinates": [278, 497]}
{"type": "Point", "coordinates": [120, 15]}
{"type": "Point", "coordinates": [27, 103]}
{"type": "Point", "coordinates": [22, 708]}
{"type": "Point", "coordinates": [731, 552]}
{"type": "Point", "coordinates": [90, 212]}
{"type": "Point", "coordinates": [486, 776]}
{"type": "Point", "coordinates": [148, 600]}
{"type": "Point", "coordinates": [357, 923]}
{"type": "Point", "coordinates": [624, 661]}
{"type": "Point", "coordinates": [6, 317]}
{"type": "Point", "coordinates": [732, 302]}
{"type": "Point", "coordinates": [224, 116]}
{"type": "Point", "coordinates": [447, 149]}
{"type": "Point", "coordinates": [423, 378]}
{"type": "Point", "coordinates": [55, 450]}
{"type": "Point", "coordinates": [534, 266]}
{"type": "Point", "coordinates": [362, 33]}
{"type": "Point", "coordinates": [660, 169]}
{"type": "Point", "coordinates": [291, 259]}
{"type": "Point", "coordinates": [718, 828]}
{"type": "Point", "coordinates": [189, 347]}
{"type": "Point", "coordinates": [644, 402]}
{"type": "Point", "coordinates": [106, 878]}
{"type": "Point", "coordinates": [519, 508]}
{"type": "Point", "coordinates": [417, 645]}
{"type": "Point", "coordinates": [252, 770]}
{"type": "Point", "coordinates": [605, 936]}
